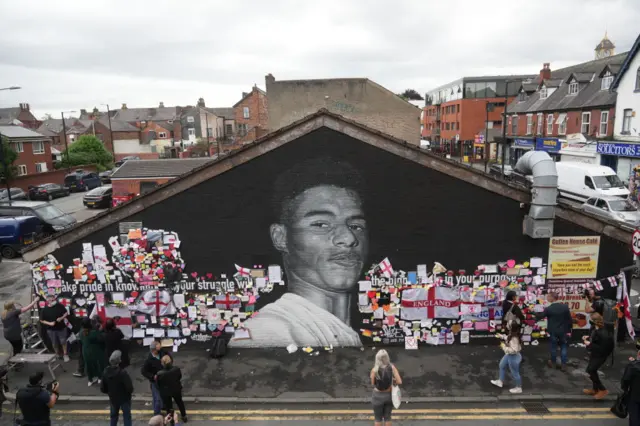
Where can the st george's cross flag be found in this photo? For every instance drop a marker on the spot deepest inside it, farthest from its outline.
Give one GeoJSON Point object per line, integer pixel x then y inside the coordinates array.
{"type": "Point", "coordinates": [385, 268]}
{"type": "Point", "coordinates": [432, 302]}
{"type": "Point", "coordinates": [124, 322]}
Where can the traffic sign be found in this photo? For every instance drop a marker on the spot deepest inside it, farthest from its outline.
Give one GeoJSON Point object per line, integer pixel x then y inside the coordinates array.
{"type": "Point", "coordinates": [635, 242]}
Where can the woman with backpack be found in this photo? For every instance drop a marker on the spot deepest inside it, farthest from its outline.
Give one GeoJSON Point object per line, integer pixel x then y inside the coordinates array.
{"type": "Point", "coordinates": [383, 376]}
{"type": "Point", "coordinates": [512, 359]}
{"type": "Point", "coordinates": [511, 312]}
{"type": "Point", "coordinates": [600, 345]}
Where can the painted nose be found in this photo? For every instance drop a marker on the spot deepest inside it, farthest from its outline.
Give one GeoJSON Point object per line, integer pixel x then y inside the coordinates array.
{"type": "Point", "coordinates": [343, 236]}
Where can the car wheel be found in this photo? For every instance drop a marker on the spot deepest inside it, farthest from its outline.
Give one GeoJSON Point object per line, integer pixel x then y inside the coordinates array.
{"type": "Point", "coordinates": [8, 252]}
{"type": "Point", "coordinates": [49, 197]}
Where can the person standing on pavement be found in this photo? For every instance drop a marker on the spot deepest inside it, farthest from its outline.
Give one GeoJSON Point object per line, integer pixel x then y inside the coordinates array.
{"type": "Point", "coordinates": [383, 375]}
{"type": "Point", "coordinates": [114, 341]}
{"type": "Point", "coordinates": [117, 384]}
{"type": "Point", "coordinates": [170, 386]}
{"type": "Point", "coordinates": [600, 345]}
{"type": "Point", "coordinates": [559, 325]}
{"type": "Point", "coordinates": [150, 369]}
{"type": "Point", "coordinates": [53, 316]}
{"type": "Point", "coordinates": [630, 384]}
{"type": "Point", "coordinates": [11, 324]}
{"type": "Point", "coordinates": [512, 358]}
{"type": "Point", "coordinates": [511, 312]}
{"type": "Point", "coordinates": [92, 351]}
{"type": "Point", "coordinates": [35, 401]}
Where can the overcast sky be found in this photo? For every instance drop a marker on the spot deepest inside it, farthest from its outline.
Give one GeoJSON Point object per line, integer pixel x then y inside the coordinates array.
{"type": "Point", "coordinates": [72, 54]}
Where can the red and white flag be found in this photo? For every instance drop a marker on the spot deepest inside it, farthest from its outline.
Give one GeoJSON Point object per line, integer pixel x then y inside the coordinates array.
{"type": "Point", "coordinates": [598, 285]}
{"type": "Point", "coordinates": [432, 302]}
{"type": "Point", "coordinates": [166, 322]}
{"type": "Point", "coordinates": [613, 282]}
{"type": "Point", "coordinates": [626, 305]}
{"type": "Point", "coordinates": [244, 272]}
{"type": "Point", "coordinates": [385, 268]}
{"type": "Point", "coordinates": [80, 312]}
{"type": "Point", "coordinates": [227, 301]}
{"type": "Point", "coordinates": [64, 301]}
{"type": "Point", "coordinates": [124, 322]}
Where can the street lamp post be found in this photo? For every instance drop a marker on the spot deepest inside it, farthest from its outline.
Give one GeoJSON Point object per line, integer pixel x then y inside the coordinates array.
{"type": "Point", "coordinates": [4, 160]}
{"type": "Point", "coordinates": [64, 133]}
{"type": "Point", "coordinates": [11, 88]}
{"type": "Point", "coordinates": [504, 122]}
{"type": "Point", "coordinates": [113, 144]}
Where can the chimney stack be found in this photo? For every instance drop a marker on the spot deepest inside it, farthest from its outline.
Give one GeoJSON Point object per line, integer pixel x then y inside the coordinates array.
{"type": "Point", "coordinates": [545, 72]}
{"type": "Point", "coordinates": [161, 105]}
{"type": "Point", "coordinates": [201, 103]}
{"type": "Point", "coordinates": [24, 107]}
{"type": "Point", "coordinates": [83, 111]}
{"type": "Point", "coordinates": [244, 94]}
{"type": "Point", "coordinates": [124, 106]}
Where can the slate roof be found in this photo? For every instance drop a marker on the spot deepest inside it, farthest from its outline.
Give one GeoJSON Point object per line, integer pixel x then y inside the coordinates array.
{"type": "Point", "coordinates": [19, 132]}
{"type": "Point", "coordinates": [10, 112]}
{"type": "Point", "coordinates": [171, 167]}
{"type": "Point", "coordinates": [624, 67]}
{"type": "Point", "coordinates": [147, 114]}
{"type": "Point", "coordinates": [227, 113]}
{"type": "Point", "coordinates": [589, 95]}
{"type": "Point", "coordinates": [118, 125]}
{"type": "Point", "coordinates": [9, 121]}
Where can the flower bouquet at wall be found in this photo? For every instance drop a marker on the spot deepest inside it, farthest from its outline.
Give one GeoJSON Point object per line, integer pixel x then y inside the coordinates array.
{"type": "Point", "coordinates": [634, 186]}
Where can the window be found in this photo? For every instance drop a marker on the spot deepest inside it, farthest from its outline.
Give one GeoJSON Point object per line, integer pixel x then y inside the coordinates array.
{"type": "Point", "coordinates": [514, 125]}
{"type": "Point", "coordinates": [190, 119]}
{"type": "Point", "coordinates": [522, 96]}
{"type": "Point", "coordinates": [192, 131]}
{"type": "Point", "coordinates": [446, 126]}
{"type": "Point", "coordinates": [457, 125]}
{"type": "Point", "coordinates": [592, 201]}
{"type": "Point", "coordinates": [38, 147]}
{"type": "Point", "coordinates": [162, 135]}
{"type": "Point", "coordinates": [245, 112]}
{"type": "Point", "coordinates": [539, 124]}
{"type": "Point", "coordinates": [638, 79]}
{"type": "Point", "coordinates": [588, 182]}
{"type": "Point", "coordinates": [209, 132]}
{"type": "Point", "coordinates": [549, 124]}
{"type": "Point", "coordinates": [606, 81]}
{"type": "Point", "coordinates": [18, 147]}
{"type": "Point", "coordinates": [22, 170]}
{"type": "Point", "coordinates": [602, 204]}
{"type": "Point", "coordinates": [229, 129]}
{"type": "Point", "coordinates": [604, 122]}
{"type": "Point", "coordinates": [529, 123]}
{"type": "Point", "coordinates": [543, 93]}
{"type": "Point", "coordinates": [626, 121]}
{"type": "Point", "coordinates": [458, 108]}
{"type": "Point", "coordinates": [586, 120]}
{"type": "Point", "coordinates": [562, 124]}
{"type": "Point", "coordinates": [41, 167]}
{"type": "Point", "coordinates": [573, 88]}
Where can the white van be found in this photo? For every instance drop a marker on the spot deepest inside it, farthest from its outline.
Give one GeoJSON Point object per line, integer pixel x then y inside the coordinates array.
{"type": "Point", "coordinates": [580, 181]}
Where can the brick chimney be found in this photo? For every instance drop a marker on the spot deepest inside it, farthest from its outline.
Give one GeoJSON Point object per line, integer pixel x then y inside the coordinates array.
{"type": "Point", "coordinates": [545, 72]}
{"type": "Point", "coordinates": [161, 105]}
{"type": "Point", "coordinates": [24, 107]}
{"type": "Point", "coordinates": [124, 106]}
{"type": "Point", "coordinates": [95, 110]}
{"type": "Point", "coordinates": [244, 94]}
{"type": "Point", "coordinates": [269, 78]}
{"type": "Point", "coordinates": [83, 111]}
{"type": "Point", "coordinates": [201, 103]}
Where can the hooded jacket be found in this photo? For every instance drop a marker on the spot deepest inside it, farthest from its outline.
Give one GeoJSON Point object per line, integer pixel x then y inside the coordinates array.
{"type": "Point", "coordinates": [169, 381]}
{"type": "Point", "coordinates": [117, 384]}
{"type": "Point", "coordinates": [602, 343]}
{"type": "Point", "coordinates": [631, 381]}
{"type": "Point", "coordinates": [33, 402]}
{"type": "Point", "coordinates": [152, 365]}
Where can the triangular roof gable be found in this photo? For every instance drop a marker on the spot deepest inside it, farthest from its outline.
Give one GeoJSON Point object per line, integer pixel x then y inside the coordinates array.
{"type": "Point", "coordinates": [269, 142]}
{"type": "Point", "coordinates": [627, 63]}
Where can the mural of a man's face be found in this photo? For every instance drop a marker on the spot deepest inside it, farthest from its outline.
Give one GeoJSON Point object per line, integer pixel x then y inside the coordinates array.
{"type": "Point", "coordinates": [324, 239]}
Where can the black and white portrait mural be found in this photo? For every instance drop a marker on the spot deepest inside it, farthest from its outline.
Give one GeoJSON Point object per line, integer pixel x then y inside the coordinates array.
{"type": "Point", "coordinates": [325, 241]}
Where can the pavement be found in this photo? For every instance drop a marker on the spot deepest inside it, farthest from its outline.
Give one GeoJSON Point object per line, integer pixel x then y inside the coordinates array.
{"type": "Point", "coordinates": [73, 206]}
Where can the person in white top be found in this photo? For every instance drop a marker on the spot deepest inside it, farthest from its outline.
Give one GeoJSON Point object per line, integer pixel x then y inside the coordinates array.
{"type": "Point", "coordinates": [512, 358]}
{"type": "Point", "coordinates": [322, 235]}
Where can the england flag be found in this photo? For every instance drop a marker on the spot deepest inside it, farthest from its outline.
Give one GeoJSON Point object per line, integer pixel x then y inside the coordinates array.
{"type": "Point", "coordinates": [432, 302]}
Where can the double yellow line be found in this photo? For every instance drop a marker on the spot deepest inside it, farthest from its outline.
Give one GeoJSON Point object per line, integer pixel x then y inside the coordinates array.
{"type": "Point", "coordinates": [401, 414]}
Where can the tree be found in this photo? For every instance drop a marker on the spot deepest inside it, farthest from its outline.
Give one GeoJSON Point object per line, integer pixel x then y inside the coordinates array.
{"type": "Point", "coordinates": [411, 95]}
{"type": "Point", "coordinates": [47, 116]}
{"type": "Point", "coordinates": [88, 149]}
{"type": "Point", "coordinates": [9, 156]}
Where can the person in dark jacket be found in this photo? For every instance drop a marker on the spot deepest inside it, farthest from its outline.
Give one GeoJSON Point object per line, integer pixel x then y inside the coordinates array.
{"type": "Point", "coordinates": [631, 385]}
{"type": "Point", "coordinates": [150, 369]}
{"type": "Point", "coordinates": [117, 384]}
{"type": "Point", "coordinates": [114, 341]}
{"type": "Point", "coordinates": [170, 385]}
{"type": "Point", "coordinates": [92, 351]}
{"type": "Point", "coordinates": [559, 325]}
{"type": "Point", "coordinates": [600, 346]}
{"type": "Point", "coordinates": [35, 401]}
{"type": "Point", "coordinates": [510, 304]}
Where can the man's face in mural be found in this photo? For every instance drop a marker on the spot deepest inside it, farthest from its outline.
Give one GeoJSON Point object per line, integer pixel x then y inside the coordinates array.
{"type": "Point", "coordinates": [324, 238]}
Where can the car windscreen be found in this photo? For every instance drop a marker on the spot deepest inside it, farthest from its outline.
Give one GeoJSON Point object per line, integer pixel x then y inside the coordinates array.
{"type": "Point", "coordinates": [621, 206]}
{"type": "Point", "coordinates": [48, 212]}
{"type": "Point", "coordinates": [70, 179]}
{"type": "Point", "coordinates": [605, 182]}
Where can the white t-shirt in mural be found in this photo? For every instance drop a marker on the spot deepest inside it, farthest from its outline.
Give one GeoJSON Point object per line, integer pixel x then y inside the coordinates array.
{"type": "Point", "coordinates": [293, 319]}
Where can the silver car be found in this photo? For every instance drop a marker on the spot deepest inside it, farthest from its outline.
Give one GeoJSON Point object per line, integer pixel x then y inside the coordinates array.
{"type": "Point", "coordinates": [613, 208]}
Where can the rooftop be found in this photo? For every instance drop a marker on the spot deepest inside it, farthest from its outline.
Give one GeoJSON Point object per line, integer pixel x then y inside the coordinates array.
{"type": "Point", "coordinates": [147, 114]}
{"type": "Point", "coordinates": [19, 132]}
{"type": "Point", "coordinates": [173, 167]}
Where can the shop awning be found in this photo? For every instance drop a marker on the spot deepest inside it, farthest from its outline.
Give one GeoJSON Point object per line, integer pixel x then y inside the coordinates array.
{"type": "Point", "coordinates": [561, 118]}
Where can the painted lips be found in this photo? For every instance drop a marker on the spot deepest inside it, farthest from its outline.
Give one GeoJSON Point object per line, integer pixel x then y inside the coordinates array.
{"type": "Point", "coordinates": [346, 259]}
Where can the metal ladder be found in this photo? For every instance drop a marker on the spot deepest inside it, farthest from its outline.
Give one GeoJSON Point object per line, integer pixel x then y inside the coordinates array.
{"type": "Point", "coordinates": [32, 341]}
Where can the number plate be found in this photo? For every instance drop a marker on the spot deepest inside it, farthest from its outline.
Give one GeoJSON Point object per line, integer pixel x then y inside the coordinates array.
{"type": "Point", "coordinates": [90, 204]}
{"type": "Point", "coordinates": [28, 241]}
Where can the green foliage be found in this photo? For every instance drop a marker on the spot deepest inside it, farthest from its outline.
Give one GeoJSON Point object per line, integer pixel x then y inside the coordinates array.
{"type": "Point", "coordinates": [411, 95]}
{"type": "Point", "coordinates": [9, 156]}
{"type": "Point", "coordinates": [87, 149]}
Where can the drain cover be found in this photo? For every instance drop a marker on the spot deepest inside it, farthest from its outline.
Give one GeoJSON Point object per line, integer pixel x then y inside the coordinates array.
{"type": "Point", "coordinates": [535, 408]}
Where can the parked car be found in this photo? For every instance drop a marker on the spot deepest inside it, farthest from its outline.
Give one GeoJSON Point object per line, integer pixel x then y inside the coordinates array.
{"type": "Point", "coordinates": [581, 181]}
{"type": "Point", "coordinates": [125, 159]}
{"type": "Point", "coordinates": [83, 181]}
{"type": "Point", "coordinates": [105, 176]}
{"type": "Point", "coordinates": [48, 191]}
{"type": "Point", "coordinates": [612, 208]}
{"type": "Point", "coordinates": [99, 197]}
{"type": "Point", "coordinates": [496, 170]}
{"type": "Point", "coordinates": [53, 219]}
{"type": "Point", "coordinates": [16, 194]}
{"type": "Point", "coordinates": [17, 233]}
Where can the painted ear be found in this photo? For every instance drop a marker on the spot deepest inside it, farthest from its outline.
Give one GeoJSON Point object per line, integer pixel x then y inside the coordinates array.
{"type": "Point", "coordinates": [279, 237]}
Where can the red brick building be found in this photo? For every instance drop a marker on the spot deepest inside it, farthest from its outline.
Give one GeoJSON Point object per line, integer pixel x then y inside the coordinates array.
{"type": "Point", "coordinates": [21, 113]}
{"type": "Point", "coordinates": [33, 149]}
{"type": "Point", "coordinates": [251, 115]}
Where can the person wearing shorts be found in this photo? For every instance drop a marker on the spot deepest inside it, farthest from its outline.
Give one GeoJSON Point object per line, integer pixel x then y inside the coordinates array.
{"type": "Point", "coordinates": [53, 316]}
{"type": "Point", "coordinates": [383, 375]}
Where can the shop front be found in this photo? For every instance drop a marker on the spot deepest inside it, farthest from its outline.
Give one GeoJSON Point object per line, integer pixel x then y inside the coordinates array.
{"type": "Point", "coordinates": [580, 152]}
{"type": "Point", "coordinates": [518, 148]}
{"type": "Point", "coordinates": [620, 156]}
{"type": "Point", "coordinates": [550, 145]}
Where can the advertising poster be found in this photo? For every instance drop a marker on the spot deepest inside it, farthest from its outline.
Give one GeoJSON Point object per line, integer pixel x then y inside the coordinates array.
{"type": "Point", "coordinates": [577, 304]}
{"type": "Point", "coordinates": [573, 259]}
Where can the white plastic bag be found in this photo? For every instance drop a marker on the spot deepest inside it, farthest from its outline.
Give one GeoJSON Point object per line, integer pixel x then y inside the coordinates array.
{"type": "Point", "coordinates": [396, 396]}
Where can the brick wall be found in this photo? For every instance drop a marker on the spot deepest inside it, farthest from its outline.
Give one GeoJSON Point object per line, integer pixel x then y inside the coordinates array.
{"type": "Point", "coordinates": [132, 186]}
{"type": "Point", "coordinates": [29, 159]}
{"type": "Point", "coordinates": [574, 123]}
{"type": "Point", "coordinates": [258, 114]}
{"type": "Point", "coordinates": [55, 176]}
{"type": "Point", "coordinates": [358, 99]}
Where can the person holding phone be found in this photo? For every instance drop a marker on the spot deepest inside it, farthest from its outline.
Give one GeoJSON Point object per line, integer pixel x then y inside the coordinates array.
{"type": "Point", "coordinates": [170, 419]}
{"type": "Point", "coordinates": [36, 401]}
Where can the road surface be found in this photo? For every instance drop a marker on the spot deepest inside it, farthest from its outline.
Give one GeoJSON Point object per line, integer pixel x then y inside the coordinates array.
{"type": "Point", "coordinates": [73, 206]}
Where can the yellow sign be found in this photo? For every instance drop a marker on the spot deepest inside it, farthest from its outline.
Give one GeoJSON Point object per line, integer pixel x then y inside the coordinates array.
{"type": "Point", "coordinates": [573, 257]}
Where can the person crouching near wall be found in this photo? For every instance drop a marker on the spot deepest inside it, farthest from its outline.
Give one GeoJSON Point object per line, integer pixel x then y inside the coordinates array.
{"type": "Point", "coordinates": [383, 376]}
{"type": "Point", "coordinates": [600, 345]}
{"type": "Point", "coordinates": [512, 358]}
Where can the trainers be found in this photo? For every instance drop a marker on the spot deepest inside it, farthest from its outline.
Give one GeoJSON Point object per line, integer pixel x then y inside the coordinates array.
{"type": "Point", "coordinates": [515, 390]}
{"type": "Point", "coordinates": [601, 394]}
{"type": "Point", "coordinates": [78, 374]}
{"type": "Point", "coordinates": [185, 419]}
{"type": "Point", "coordinates": [589, 392]}
{"type": "Point", "coordinates": [497, 383]}
{"type": "Point", "coordinates": [66, 358]}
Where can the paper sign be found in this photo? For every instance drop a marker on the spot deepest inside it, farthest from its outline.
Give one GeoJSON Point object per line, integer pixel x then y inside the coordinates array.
{"type": "Point", "coordinates": [178, 300]}
{"type": "Point", "coordinates": [363, 299]}
{"type": "Point", "coordinates": [464, 336]}
{"type": "Point", "coordinates": [422, 271]}
{"type": "Point", "coordinates": [410, 343]}
{"type": "Point", "coordinates": [364, 285]}
{"type": "Point", "coordinates": [482, 326]}
{"type": "Point", "coordinates": [470, 309]}
{"type": "Point", "coordinates": [275, 274]}
{"type": "Point", "coordinates": [241, 334]}
{"type": "Point", "coordinates": [535, 262]}
{"type": "Point", "coordinates": [138, 333]}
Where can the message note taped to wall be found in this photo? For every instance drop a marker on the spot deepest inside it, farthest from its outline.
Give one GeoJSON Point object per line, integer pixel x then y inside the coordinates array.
{"type": "Point", "coordinates": [573, 257]}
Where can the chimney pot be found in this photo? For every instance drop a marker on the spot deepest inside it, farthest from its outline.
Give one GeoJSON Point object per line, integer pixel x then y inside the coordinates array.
{"type": "Point", "coordinates": [83, 111]}
{"type": "Point", "coordinates": [545, 72]}
{"type": "Point", "coordinates": [161, 105]}
{"type": "Point", "coordinates": [124, 106]}
{"type": "Point", "coordinates": [270, 78]}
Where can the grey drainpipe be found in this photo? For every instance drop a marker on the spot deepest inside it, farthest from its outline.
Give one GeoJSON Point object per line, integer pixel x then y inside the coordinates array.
{"type": "Point", "coordinates": [544, 192]}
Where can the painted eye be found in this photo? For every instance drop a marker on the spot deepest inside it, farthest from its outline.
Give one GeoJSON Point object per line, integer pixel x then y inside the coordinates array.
{"type": "Point", "coordinates": [356, 227]}
{"type": "Point", "coordinates": [321, 225]}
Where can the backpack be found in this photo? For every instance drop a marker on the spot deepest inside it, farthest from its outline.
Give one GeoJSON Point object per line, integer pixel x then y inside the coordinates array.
{"type": "Point", "coordinates": [384, 379]}
{"type": "Point", "coordinates": [219, 348]}
{"type": "Point", "coordinates": [510, 317]}
{"type": "Point", "coordinates": [610, 311]}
